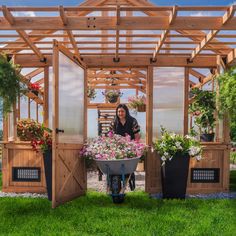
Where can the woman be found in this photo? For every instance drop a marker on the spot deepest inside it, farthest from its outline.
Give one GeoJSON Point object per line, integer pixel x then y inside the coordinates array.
{"type": "Point", "coordinates": [125, 124]}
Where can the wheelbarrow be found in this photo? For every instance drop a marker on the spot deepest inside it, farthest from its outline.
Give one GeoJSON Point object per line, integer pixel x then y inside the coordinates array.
{"type": "Point", "coordinates": [117, 172]}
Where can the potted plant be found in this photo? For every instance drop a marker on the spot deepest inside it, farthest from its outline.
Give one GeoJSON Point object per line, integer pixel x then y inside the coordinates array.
{"type": "Point", "coordinates": [175, 151]}
{"type": "Point", "coordinates": [226, 98]}
{"type": "Point", "coordinates": [34, 88]}
{"type": "Point", "coordinates": [112, 95]}
{"type": "Point", "coordinates": [43, 143]}
{"type": "Point", "coordinates": [91, 93]}
{"type": "Point", "coordinates": [28, 129]}
{"type": "Point", "coordinates": [137, 103]}
{"type": "Point", "coordinates": [203, 108]}
{"type": "Point", "coordinates": [10, 86]}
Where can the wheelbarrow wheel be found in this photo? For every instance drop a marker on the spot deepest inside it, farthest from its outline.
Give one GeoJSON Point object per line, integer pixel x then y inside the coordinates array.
{"type": "Point", "coordinates": [118, 199]}
{"type": "Point", "coordinates": [115, 189]}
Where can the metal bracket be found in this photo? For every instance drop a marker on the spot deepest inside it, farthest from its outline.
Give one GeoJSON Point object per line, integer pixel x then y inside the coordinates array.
{"type": "Point", "coordinates": [189, 61]}
{"type": "Point", "coordinates": [116, 59]}
{"type": "Point", "coordinates": [153, 60]}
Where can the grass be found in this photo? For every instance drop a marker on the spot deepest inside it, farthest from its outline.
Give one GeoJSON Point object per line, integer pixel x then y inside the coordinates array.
{"type": "Point", "coordinates": [95, 214]}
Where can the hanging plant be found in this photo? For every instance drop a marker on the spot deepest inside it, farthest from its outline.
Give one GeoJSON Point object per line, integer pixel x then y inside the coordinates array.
{"type": "Point", "coordinates": [10, 87]}
{"type": "Point", "coordinates": [227, 93]}
{"type": "Point", "coordinates": [227, 98]}
{"type": "Point", "coordinates": [203, 108]}
{"type": "Point", "coordinates": [91, 93]}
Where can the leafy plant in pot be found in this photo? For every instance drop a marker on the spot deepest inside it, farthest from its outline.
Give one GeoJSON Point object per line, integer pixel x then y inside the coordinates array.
{"type": "Point", "coordinates": [91, 93]}
{"type": "Point", "coordinates": [11, 87]}
{"type": "Point", "coordinates": [226, 98]}
{"type": "Point", "coordinates": [203, 109]}
{"type": "Point", "coordinates": [137, 103]}
{"type": "Point", "coordinates": [112, 95]}
{"type": "Point", "coordinates": [175, 151]}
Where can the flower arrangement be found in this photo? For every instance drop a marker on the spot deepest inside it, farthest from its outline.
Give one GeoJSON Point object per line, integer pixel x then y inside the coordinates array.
{"type": "Point", "coordinates": [38, 134]}
{"type": "Point", "coordinates": [34, 86]}
{"type": "Point", "coordinates": [112, 95]}
{"type": "Point", "coordinates": [27, 129]}
{"type": "Point", "coordinates": [44, 141]}
{"type": "Point", "coordinates": [137, 103]}
{"type": "Point", "coordinates": [172, 144]}
{"type": "Point", "coordinates": [91, 93]}
{"type": "Point", "coordinates": [112, 147]}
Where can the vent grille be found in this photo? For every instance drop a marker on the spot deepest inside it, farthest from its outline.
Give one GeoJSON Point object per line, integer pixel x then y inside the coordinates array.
{"type": "Point", "coordinates": [26, 174]}
{"type": "Point", "coordinates": [205, 175]}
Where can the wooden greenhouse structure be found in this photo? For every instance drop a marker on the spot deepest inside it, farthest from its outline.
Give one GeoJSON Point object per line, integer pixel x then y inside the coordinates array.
{"type": "Point", "coordinates": [162, 52]}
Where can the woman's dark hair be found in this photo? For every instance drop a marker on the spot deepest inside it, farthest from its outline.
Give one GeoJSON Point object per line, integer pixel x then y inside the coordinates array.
{"type": "Point", "coordinates": [127, 114]}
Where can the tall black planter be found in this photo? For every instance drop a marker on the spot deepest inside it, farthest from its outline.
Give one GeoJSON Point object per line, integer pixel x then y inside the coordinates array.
{"type": "Point", "coordinates": [174, 177]}
{"type": "Point", "coordinates": [207, 137]}
{"type": "Point", "coordinates": [47, 160]}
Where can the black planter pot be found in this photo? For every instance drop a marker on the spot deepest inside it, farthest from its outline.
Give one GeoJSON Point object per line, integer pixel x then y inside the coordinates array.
{"type": "Point", "coordinates": [113, 99]}
{"type": "Point", "coordinates": [47, 160]}
{"type": "Point", "coordinates": [174, 176]}
{"type": "Point", "coordinates": [36, 92]}
{"type": "Point", "coordinates": [207, 137]}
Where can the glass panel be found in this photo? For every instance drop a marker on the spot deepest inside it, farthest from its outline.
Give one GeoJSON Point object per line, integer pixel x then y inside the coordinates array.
{"type": "Point", "coordinates": [71, 101]}
{"type": "Point", "coordinates": [168, 99]}
{"type": "Point", "coordinates": [92, 125]}
{"type": "Point", "coordinates": [23, 107]}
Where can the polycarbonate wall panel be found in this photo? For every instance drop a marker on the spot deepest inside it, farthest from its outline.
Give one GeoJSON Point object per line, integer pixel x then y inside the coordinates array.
{"type": "Point", "coordinates": [71, 101]}
{"type": "Point", "coordinates": [168, 100]}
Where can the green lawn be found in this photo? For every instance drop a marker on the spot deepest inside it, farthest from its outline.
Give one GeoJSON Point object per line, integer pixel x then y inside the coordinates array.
{"type": "Point", "coordinates": [95, 214]}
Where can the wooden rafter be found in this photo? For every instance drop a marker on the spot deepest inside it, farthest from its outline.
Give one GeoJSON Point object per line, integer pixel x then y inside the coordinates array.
{"type": "Point", "coordinates": [117, 33]}
{"type": "Point", "coordinates": [225, 19]}
{"type": "Point", "coordinates": [9, 17]}
{"type": "Point", "coordinates": [165, 33]}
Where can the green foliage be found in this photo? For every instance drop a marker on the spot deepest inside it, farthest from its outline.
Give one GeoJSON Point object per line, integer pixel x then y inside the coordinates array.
{"type": "Point", "coordinates": [91, 93]}
{"type": "Point", "coordinates": [233, 129]}
{"type": "Point", "coordinates": [203, 108]}
{"type": "Point", "coordinates": [10, 87]}
{"type": "Point", "coordinates": [227, 93]}
{"type": "Point", "coordinates": [233, 157]}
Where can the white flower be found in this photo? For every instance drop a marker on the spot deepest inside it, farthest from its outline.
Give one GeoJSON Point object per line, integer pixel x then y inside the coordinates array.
{"type": "Point", "coordinates": [198, 157]}
{"type": "Point", "coordinates": [163, 158]}
{"type": "Point", "coordinates": [193, 151]}
{"type": "Point", "coordinates": [166, 154]}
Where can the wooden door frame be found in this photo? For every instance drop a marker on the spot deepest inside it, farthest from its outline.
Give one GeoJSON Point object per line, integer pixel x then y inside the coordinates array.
{"type": "Point", "coordinates": [58, 47]}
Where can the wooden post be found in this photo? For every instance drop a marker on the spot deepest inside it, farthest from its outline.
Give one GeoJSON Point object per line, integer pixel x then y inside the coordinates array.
{"type": "Point", "coordinates": [29, 108]}
{"type": "Point", "coordinates": [45, 97]}
{"type": "Point", "coordinates": [186, 99]}
{"type": "Point", "coordinates": [149, 107]}
{"type": "Point", "coordinates": [55, 119]}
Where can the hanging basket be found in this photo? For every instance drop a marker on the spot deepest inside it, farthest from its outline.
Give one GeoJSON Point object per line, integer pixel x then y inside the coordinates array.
{"type": "Point", "coordinates": [112, 99]}
{"type": "Point", "coordinates": [141, 108]}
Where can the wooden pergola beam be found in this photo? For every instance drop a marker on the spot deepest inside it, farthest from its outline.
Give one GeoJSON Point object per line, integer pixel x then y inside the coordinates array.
{"type": "Point", "coordinates": [165, 33]}
{"type": "Point", "coordinates": [10, 19]}
{"type": "Point", "coordinates": [64, 19]}
{"type": "Point", "coordinates": [127, 23]}
{"type": "Point", "coordinates": [225, 19]}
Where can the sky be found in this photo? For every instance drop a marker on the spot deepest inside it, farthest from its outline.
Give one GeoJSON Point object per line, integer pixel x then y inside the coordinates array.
{"type": "Point", "coordinates": [77, 2]}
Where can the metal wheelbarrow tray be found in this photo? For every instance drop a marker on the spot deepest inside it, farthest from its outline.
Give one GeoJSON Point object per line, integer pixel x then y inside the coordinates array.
{"type": "Point", "coordinates": [118, 166]}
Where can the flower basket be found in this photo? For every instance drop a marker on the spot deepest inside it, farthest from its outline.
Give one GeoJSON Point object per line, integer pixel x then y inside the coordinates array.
{"type": "Point", "coordinates": [112, 99]}
{"type": "Point", "coordinates": [207, 137]}
{"type": "Point", "coordinates": [141, 108]}
{"type": "Point", "coordinates": [36, 92]}
{"type": "Point", "coordinates": [137, 103]}
{"type": "Point", "coordinates": [28, 129]}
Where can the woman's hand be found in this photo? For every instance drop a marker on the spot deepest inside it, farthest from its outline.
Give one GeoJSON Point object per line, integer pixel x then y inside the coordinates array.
{"type": "Point", "coordinates": [137, 136]}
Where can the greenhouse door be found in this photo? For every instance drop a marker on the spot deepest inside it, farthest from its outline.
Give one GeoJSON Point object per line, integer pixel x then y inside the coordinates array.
{"type": "Point", "coordinates": [69, 123]}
